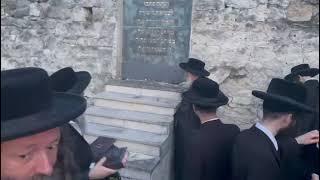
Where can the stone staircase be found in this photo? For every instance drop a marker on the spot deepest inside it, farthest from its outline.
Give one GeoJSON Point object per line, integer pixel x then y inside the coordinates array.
{"type": "Point", "coordinates": [139, 116]}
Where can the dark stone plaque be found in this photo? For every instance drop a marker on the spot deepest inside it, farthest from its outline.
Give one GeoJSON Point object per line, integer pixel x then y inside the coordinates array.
{"type": "Point", "coordinates": [156, 36]}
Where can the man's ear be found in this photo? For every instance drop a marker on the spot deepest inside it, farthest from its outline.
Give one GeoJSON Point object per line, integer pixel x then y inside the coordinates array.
{"type": "Point", "coordinates": [288, 120]}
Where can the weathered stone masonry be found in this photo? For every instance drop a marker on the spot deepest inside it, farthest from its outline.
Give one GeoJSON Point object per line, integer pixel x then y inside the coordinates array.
{"type": "Point", "coordinates": [244, 42]}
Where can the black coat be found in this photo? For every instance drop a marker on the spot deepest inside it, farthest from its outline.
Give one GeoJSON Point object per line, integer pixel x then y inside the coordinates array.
{"type": "Point", "coordinates": [210, 151]}
{"type": "Point", "coordinates": [186, 122]}
{"type": "Point", "coordinates": [254, 157]}
{"type": "Point", "coordinates": [299, 162]}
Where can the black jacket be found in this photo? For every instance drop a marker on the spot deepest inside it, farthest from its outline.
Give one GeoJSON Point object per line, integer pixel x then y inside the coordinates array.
{"type": "Point", "coordinates": [210, 151]}
{"type": "Point", "coordinates": [186, 122]}
{"type": "Point", "coordinates": [254, 157]}
{"type": "Point", "coordinates": [299, 162]}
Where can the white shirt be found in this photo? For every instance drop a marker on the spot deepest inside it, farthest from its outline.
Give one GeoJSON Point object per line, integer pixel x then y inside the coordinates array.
{"type": "Point", "coordinates": [269, 134]}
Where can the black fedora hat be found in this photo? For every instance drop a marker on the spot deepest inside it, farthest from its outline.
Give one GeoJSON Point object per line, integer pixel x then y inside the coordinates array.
{"type": "Point", "coordinates": [206, 92]}
{"type": "Point", "coordinates": [302, 70]}
{"type": "Point", "coordinates": [195, 67]}
{"type": "Point", "coordinates": [29, 106]}
{"type": "Point", "coordinates": [284, 96]}
{"type": "Point", "coordinates": [67, 80]}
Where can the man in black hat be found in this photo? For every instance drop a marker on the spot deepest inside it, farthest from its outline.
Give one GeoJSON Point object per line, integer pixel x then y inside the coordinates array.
{"type": "Point", "coordinates": [303, 161]}
{"type": "Point", "coordinates": [185, 118]}
{"type": "Point", "coordinates": [67, 80]}
{"type": "Point", "coordinates": [256, 153]}
{"type": "Point", "coordinates": [211, 146]}
{"type": "Point", "coordinates": [31, 119]}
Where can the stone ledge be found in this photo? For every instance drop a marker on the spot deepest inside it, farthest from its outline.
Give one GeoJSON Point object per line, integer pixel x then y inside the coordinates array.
{"type": "Point", "coordinates": [126, 134]}
{"type": "Point", "coordinates": [130, 98]}
{"type": "Point", "coordinates": [147, 85]}
{"type": "Point", "coordinates": [149, 118]}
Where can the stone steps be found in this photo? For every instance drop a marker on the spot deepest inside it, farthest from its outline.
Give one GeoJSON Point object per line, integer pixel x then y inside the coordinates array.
{"type": "Point", "coordinates": [148, 122]}
{"type": "Point", "coordinates": [137, 141]}
{"type": "Point", "coordinates": [135, 103]}
{"type": "Point", "coordinates": [139, 115]}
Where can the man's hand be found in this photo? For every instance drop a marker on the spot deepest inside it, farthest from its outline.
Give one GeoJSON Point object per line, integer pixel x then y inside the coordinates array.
{"type": "Point", "coordinates": [99, 171]}
{"type": "Point", "coordinates": [125, 159]}
{"type": "Point", "coordinates": [315, 177]}
{"type": "Point", "coordinates": [308, 138]}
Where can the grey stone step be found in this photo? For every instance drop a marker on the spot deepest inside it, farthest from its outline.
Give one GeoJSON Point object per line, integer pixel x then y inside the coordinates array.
{"type": "Point", "coordinates": [149, 169]}
{"type": "Point", "coordinates": [135, 103]}
{"type": "Point", "coordinates": [140, 167]}
{"type": "Point", "coordinates": [137, 99]}
{"type": "Point", "coordinates": [136, 141]}
{"type": "Point", "coordinates": [149, 122]}
{"type": "Point", "coordinates": [142, 88]}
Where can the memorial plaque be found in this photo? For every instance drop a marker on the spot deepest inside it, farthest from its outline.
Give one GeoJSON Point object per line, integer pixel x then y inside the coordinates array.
{"type": "Point", "coordinates": [156, 37]}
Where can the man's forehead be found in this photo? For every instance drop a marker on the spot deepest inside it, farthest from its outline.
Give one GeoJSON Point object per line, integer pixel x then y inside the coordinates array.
{"type": "Point", "coordinates": [37, 139]}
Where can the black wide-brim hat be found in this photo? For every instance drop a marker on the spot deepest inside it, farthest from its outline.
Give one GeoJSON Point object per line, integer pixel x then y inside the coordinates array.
{"type": "Point", "coordinates": [302, 70]}
{"type": "Point", "coordinates": [284, 96]}
{"type": "Point", "coordinates": [67, 80]}
{"type": "Point", "coordinates": [195, 67]}
{"type": "Point", "coordinates": [29, 106]}
{"type": "Point", "coordinates": [205, 92]}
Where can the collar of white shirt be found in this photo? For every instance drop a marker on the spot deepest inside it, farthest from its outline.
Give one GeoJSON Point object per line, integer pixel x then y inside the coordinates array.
{"type": "Point", "coordinates": [268, 133]}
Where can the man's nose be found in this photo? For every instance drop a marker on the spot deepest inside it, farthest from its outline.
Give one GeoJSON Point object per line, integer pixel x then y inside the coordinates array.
{"type": "Point", "coordinates": [43, 165]}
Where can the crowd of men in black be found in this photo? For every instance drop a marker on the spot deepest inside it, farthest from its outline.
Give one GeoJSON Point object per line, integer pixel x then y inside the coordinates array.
{"type": "Point", "coordinates": [282, 146]}
{"type": "Point", "coordinates": [38, 142]}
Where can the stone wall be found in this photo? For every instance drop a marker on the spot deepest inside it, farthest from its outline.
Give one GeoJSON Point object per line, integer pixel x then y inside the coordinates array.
{"type": "Point", "coordinates": [57, 33]}
{"type": "Point", "coordinates": [244, 42]}
{"type": "Point", "coordinates": [247, 42]}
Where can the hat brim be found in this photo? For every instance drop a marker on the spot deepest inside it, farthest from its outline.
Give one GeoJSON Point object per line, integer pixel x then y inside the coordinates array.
{"type": "Point", "coordinates": [309, 72]}
{"type": "Point", "coordinates": [187, 68]}
{"type": "Point", "coordinates": [283, 100]}
{"type": "Point", "coordinates": [194, 98]}
{"type": "Point", "coordinates": [83, 80]}
{"type": "Point", "coordinates": [65, 107]}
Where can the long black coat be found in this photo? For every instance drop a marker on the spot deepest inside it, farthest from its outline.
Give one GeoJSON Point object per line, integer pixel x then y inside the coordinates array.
{"type": "Point", "coordinates": [299, 162]}
{"type": "Point", "coordinates": [186, 123]}
{"type": "Point", "coordinates": [210, 151]}
{"type": "Point", "coordinates": [254, 157]}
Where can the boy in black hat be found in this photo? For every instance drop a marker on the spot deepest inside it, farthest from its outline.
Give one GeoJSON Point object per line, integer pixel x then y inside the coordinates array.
{"type": "Point", "coordinates": [185, 118]}
{"type": "Point", "coordinates": [256, 153]}
{"type": "Point", "coordinates": [302, 162]}
{"type": "Point", "coordinates": [31, 119]}
{"type": "Point", "coordinates": [210, 147]}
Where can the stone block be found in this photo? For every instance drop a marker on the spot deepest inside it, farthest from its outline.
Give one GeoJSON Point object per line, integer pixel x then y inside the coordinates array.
{"type": "Point", "coordinates": [98, 14]}
{"type": "Point", "coordinates": [299, 12]}
{"type": "Point", "coordinates": [91, 3]}
{"type": "Point", "coordinates": [58, 13]}
{"type": "Point", "coordinates": [242, 4]}
{"type": "Point", "coordinates": [35, 10]}
{"type": "Point", "coordinates": [21, 12]}
{"type": "Point", "coordinates": [80, 14]}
